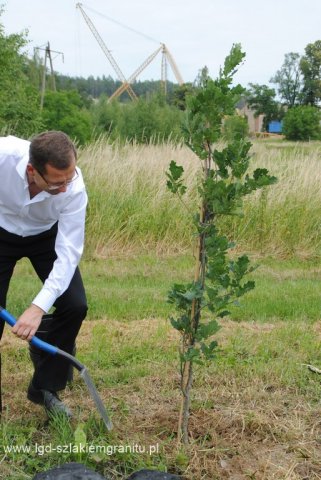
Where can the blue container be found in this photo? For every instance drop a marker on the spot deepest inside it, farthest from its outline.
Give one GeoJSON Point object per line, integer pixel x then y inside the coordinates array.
{"type": "Point", "coordinates": [275, 127]}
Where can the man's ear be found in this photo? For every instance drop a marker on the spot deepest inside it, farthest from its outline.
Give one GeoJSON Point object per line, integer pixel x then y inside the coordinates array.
{"type": "Point", "coordinates": [30, 169]}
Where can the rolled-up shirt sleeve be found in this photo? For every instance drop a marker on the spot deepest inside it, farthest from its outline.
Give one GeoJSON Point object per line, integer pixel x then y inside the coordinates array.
{"type": "Point", "coordinates": [69, 247]}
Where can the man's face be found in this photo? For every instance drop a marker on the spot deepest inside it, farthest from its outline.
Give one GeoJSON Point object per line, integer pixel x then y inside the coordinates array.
{"type": "Point", "coordinates": [54, 181]}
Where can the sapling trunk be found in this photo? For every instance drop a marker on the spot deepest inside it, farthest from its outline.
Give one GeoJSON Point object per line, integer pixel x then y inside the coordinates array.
{"type": "Point", "coordinates": [195, 317]}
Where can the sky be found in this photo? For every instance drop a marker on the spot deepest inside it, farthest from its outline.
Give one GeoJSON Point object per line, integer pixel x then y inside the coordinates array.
{"type": "Point", "coordinates": [196, 32]}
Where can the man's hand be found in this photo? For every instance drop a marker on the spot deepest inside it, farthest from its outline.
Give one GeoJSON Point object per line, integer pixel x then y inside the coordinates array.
{"type": "Point", "coordinates": [28, 322]}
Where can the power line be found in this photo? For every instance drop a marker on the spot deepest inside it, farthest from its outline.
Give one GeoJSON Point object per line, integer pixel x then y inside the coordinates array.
{"type": "Point", "coordinates": [122, 24]}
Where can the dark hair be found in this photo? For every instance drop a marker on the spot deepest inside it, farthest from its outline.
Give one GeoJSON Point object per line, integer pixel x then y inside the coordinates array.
{"type": "Point", "coordinates": [54, 148]}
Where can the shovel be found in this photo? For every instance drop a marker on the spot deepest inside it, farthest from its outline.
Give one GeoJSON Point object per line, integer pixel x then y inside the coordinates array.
{"type": "Point", "coordinates": [47, 347]}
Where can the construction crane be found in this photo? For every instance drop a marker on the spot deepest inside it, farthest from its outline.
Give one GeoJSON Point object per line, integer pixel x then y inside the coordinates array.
{"type": "Point", "coordinates": [165, 56]}
{"type": "Point", "coordinates": [126, 84]}
{"type": "Point", "coordinates": [133, 77]}
{"type": "Point", "coordinates": [108, 54]}
{"type": "Point", "coordinates": [172, 63]}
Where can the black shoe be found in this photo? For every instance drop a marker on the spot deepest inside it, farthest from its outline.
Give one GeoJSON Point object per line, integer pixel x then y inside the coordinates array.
{"type": "Point", "coordinates": [50, 400]}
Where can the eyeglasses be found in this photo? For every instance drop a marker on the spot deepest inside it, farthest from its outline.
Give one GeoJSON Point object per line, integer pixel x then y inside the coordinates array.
{"type": "Point", "coordinates": [54, 186]}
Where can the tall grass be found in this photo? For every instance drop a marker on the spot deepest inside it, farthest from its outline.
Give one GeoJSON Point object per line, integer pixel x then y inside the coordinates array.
{"type": "Point", "coordinates": [284, 219]}
{"type": "Point", "coordinates": [130, 208]}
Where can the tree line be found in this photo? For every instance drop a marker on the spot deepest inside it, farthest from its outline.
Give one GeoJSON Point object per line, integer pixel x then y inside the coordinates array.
{"type": "Point", "coordinates": [81, 107]}
{"type": "Point", "coordinates": [296, 97]}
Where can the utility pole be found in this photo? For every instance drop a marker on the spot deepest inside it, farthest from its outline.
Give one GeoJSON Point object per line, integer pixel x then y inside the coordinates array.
{"type": "Point", "coordinates": [48, 52]}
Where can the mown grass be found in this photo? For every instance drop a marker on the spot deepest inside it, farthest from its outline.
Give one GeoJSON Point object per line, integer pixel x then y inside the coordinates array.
{"type": "Point", "coordinates": [135, 287]}
{"type": "Point", "coordinates": [255, 409]}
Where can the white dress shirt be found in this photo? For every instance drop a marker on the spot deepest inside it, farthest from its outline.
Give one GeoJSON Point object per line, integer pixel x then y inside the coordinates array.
{"type": "Point", "coordinates": [25, 216]}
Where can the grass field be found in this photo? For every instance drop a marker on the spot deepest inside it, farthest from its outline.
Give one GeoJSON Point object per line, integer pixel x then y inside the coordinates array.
{"type": "Point", "coordinates": [256, 409]}
{"type": "Point", "coordinates": [131, 210]}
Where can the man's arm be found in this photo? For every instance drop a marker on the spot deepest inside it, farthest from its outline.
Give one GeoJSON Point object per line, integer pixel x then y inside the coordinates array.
{"type": "Point", "coordinates": [69, 247]}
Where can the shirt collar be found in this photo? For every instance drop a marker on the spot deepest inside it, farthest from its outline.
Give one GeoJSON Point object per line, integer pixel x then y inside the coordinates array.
{"type": "Point", "coordinates": [22, 168]}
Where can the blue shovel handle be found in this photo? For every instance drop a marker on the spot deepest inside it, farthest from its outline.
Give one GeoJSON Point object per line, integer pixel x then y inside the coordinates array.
{"type": "Point", "coordinates": [37, 342]}
{"type": "Point", "coordinates": [46, 347]}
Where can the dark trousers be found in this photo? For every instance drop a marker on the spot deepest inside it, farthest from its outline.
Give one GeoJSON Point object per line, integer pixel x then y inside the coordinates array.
{"type": "Point", "coordinates": [51, 372]}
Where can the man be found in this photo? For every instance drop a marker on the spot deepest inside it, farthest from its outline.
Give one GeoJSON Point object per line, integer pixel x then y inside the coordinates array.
{"type": "Point", "coordinates": [42, 216]}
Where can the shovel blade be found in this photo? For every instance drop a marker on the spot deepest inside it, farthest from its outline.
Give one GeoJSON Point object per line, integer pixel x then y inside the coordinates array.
{"type": "Point", "coordinates": [96, 398]}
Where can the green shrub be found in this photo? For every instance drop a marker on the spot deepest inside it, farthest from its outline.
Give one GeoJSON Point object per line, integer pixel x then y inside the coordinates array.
{"type": "Point", "coordinates": [143, 121]}
{"type": "Point", "coordinates": [65, 111]}
{"type": "Point", "coordinates": [235, 126]}
{"type": "Point", "coordinates": [302, 123]}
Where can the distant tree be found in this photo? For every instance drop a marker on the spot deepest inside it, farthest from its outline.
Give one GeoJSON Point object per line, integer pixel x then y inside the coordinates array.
{"type": "Point", "coordinates": [65, 111]}
{"type": "Point", "coordinates": [95, 87]}
{"type": "Point", "coordinates": [106, 115]}
{"type": "Point", "coordinates": [302, 123]}
{"type": "Point", "coordinates": [19, 100]}
{"type": "Point", "coordinates": [179, 95]}
{"type": "Point", "coordinates": [289, 80]}
{"type": "Point", "coordinates": [92, 87]}
{"type": "Point", "coordinates": [261, 99]}
{"type": "Point", "coordinates": [33, 69]}
{"type": "Point", "coordinates": [202, 77]}
{"type": "Point", "coordinates": [310, 65]}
